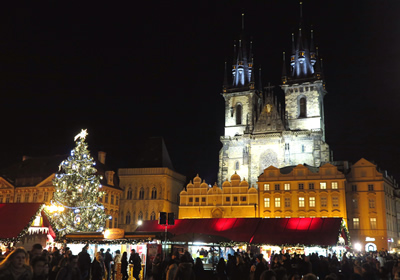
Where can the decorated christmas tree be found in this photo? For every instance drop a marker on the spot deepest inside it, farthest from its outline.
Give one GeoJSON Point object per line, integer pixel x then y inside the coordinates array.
{"type": "Point", "coordinates": [77, 192]}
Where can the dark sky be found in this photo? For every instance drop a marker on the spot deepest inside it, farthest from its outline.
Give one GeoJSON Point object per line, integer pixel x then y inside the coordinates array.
{"type": "Point", "coordinates": [126, 71]}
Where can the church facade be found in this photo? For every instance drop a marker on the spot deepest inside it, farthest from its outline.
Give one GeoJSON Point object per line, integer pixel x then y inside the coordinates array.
{"type": "Point", "coordinates": [259, 131]}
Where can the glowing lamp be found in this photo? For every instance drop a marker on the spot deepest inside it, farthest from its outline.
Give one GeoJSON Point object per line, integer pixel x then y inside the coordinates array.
{"type": "Point", "coordinates": [357, 246]}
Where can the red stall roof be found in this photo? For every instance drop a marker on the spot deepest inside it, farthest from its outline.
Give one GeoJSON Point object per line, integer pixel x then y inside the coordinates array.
{"type": "Point", "coordinates": [15, 217]}
{"type": "Point", "coordinates": [307, 231]}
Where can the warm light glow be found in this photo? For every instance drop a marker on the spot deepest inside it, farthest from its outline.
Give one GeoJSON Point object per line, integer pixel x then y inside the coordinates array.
{"type": "Point", "coordinates": [53, 208]}
{"type": "Point", "coordinates": [357, 246]}
{"type": "Point", "coordinates": [140, 222]}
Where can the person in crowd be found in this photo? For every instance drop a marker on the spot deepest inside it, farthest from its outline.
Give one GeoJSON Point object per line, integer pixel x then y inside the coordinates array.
{"type": "Point", "coordinates": [116, 260]}
{"type": "Point", "coordinates": [271, 275]}
{"type": "Point", "coordinates": [84, 262]}
{"type": "Point", "coordinates": [172, 266]}
{"type": "Point", "coordinates": [124, 266]}
{"type": "Point", "coordinates": [15, 266]}
{"type": "Point", "coordinates": [7, 252]}
{"type": "Point", "coordinates": [54, 263]}
{"type": "Point", "coordinates": [156, 267]}
{"type": "Point", "coordinates": [239, 269]}
{"type": "Point", "coordinates": [198, 268]}
{"type": "Point", "coordinates": [221, 269]}
{"type": "Point", "coordinates": [137, 265]}
{"type": "Point", "coordinates": [40, 267]}
{"type": "Point", "coordinates": [107, 263]}
{"type": "Point", "coordinates": [98, 270]}
{"type": "Point", "coordinates": [71, 270]}
{"type": "Point", "coordinates": [36, 251]}
{"type": "Point", "coordinates": [260, 266]}
{"type": "Point", "coordinates": [185, 268]}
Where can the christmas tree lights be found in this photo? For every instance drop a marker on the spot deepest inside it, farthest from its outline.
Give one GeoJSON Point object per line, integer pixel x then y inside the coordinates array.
{"type": "Point", "coordinates": [75, 205]}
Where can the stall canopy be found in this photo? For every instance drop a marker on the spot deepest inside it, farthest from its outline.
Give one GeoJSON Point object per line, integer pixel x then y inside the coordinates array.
{"type": "Point", "coordinates": [16, 218]}
{"type": "Point", "coordinates": [306, 231]}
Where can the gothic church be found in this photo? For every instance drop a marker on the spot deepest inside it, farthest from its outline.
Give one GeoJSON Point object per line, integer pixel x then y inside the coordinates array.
{"type": "Point", "coordinates": [259, 131]}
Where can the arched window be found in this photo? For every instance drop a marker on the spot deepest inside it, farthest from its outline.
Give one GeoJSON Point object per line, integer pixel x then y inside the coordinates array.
{"type": "Point", "coordinates": [115, 222]}
{"type": "Point", "coordinates": [154, 193]}
{"type": "Point", "coordinates": [141, 193]}
{"type": "Point", "coordinates": [110, 223]}
{"type": "Point", "coordinates": [129, 193]}
{"type": "Point", "coordinates": [153, 216]}
{"type": "Point", "coordinates": [303, 107]}
{"type": "Point", "coordinates": [238, 114]}
{"type": "Point", "coordinates": [237, 165]}
{"type": "Point", "coordinates": [128, 218]}
{"type": "Point", "coordinates": [146, 217]}
{"type": "Point", "coordinates": [140, 216]}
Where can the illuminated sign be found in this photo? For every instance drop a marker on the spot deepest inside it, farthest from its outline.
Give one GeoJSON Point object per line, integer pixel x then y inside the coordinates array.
{"type": "Point", "coordinates": [370, 239]}
{"type": "Point", "coordinates": [390, 240]}
{"type": "Point", "coordinates": [114, 233]}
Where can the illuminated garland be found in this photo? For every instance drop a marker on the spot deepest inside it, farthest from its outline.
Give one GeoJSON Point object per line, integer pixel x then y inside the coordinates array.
{"type": "Point", "coordinates": [77, 192]}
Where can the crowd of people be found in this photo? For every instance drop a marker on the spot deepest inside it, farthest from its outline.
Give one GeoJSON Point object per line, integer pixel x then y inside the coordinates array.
{"type": "Point", "coordinates": [53, 264]}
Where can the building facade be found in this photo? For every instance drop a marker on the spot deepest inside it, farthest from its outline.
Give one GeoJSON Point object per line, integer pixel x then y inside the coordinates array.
{"type": "Point", "coordinates": [259, 131]}
{"type": "Point", "coordinates": [235, 199]}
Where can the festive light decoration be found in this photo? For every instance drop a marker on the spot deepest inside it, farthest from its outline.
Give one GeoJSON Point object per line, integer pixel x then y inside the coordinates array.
{"type": "Point", "coordinates": [75, 206]}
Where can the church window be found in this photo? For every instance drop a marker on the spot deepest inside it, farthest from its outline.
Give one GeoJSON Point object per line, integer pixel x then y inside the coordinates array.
{"type": "Point", "coordinates": [19, 198]}
{"type": "Point", "coordinates": [322, 185]}
{"type": "Point", "coordinates": [129, 194]}
{"type": "Point", "coordinates": [312, 201]}
{"type": "Point", "coordinates": [140, 216]}
{"type": "Point", "coordinates": [141, 193]}
{"type": "Point", "coordinates": [115, 222]}
{"type": "Point", "coordinates": [356, 223]}
{"type": "Point", "coordinates": [27, 197]}
{"type": "Point", "coordinates": [287, 201]}
{"type": "Point", "coordinates": [112, 199]}
{"type": "Point", "coordinates": [106, 199]}
{"type": "Point", "coordinates": [311, 186]}
{"type": "Point", "coordinates": [324, 202]}
{"type": "Point", "coordinates": [153, 216]}
{"type": "Point", "coordinates": [266, 187]}
{"type": "Point", "coordinates": [238, 114]}
{"type": "Point", "coordinates": [303, 107]}
{"type": "Point", "coordinates": [334, 185]}
{"type": "Point", "coordinates": [237, 165]}
{"type": "Point", "coordinates": [277, 187]}
{"type": "Point", "coordinates": [301, 186]}
{"type": "Point", "coordinates": [266, 203]}
{"type": "Point", "coordinates": [335, 201]}
{"type": "Point", "coordinates": [370, 187]}
{"type": "Point", "coordinates": [287, 187]}
{"type": "Point", "coordinates": [197, 199]}
{"type": "Point", "coordinates": [128, 218]}
{"type": "Point", "coordinates": [301, 202]}
{"type": "Point", "coordinates": [110, 223]}
{"type": "Point", "coordinates": [116, 200]}
{"type": "Point", "coordinates": [371, 203]}
{"type": "Point", "coordinates": [154, 193]}
{"type": "Point", "coordinates": [46, 196]}
{"type": "Point", "coordinates": [277, 202]}
{"type": "Point", "coordinates": [35, 197]}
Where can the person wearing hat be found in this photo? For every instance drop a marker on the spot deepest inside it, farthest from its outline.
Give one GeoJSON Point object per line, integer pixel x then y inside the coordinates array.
{"type": "Point", "coordinates": [117, 259]}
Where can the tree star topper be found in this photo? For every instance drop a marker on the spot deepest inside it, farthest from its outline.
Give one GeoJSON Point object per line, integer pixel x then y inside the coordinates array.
{"type": "Point", "coordinates": [81, 135]}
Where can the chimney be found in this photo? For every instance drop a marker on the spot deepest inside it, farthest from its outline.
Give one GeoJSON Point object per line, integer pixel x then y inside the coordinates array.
{"type": "Point", "coordinates": [101, 156]}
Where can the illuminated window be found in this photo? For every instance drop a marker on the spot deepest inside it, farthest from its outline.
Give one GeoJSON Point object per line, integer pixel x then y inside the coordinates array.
{"type": "Point", "coordinates": [324, 202]}
{"type": "Point", "coordinates": [27, 197]}
{"type": "Point", "coordinates": [228, 199]}
{"type": "Point", "coordinates": [46, 196]}
{"type": "Point", "coordinates": [303, 108]}
{"type": "Point", "coordinates": [152, 216]}
{"type": "Point", "coordinates": [370, 187]}
{"type": "Point", "coordinates": [203, 199]}
{"type": "Point", "coordinates": [311, 186]}
{"type": "Point", "coordinates": [355, 203]}
{"type": "Point", "coordinates": [106, 199]}
{"type": "Point", "coordinates": [266, 187]}
{"type": "Point", "coordinates": [277, 187]}
{"type": "Point", "coordinates": [335, 201]}
{"type": "Point", "coordinates": [266, 202]}
{"type": "Point", "coordinates": [287, 187]}
{"type": "Point", "coordinates": [312, 201]}
{"type": "Point", "coordinates": [371, 203]}
{"type": "Point", "coordinates": [277, 202]}
{"type": "Point", "coordinates": [35, 197]}
{"type": "Point", "coordinates": [18, 198]}
{"type": "Point", "coordinates": [238, 114]}
{"type": "Point", "coordinates": [129, 194]}
{"type": "Point", "coordinates": [334, 185]}
{"type": "Point", "coordinates": [128, 218]}
{"type": "Point", "coordinates": [141, 193]}
{"type": "Point", "coordinates": [154, 193]}
{"type": "Point", "coordinates": [301, 201]}
{"type": "Point", "coordinates": [322, 185]}
{"type": "Point", "coordinates": [190, 199]}
{"type": "Point", "coordinates": [197, 199]}
{"type": "Point", "coordinates": [287, 201]}
{"type": "Point", "coordinates": [372, 222]}
{"type": "Point", "coordinates": [301, 53]}
{"type": "Point", "coordinates": [112, 199]}
{"type": "Point", "coordinates": [301, 186]}
{"type": "Point", "coordinates": [354, 188]}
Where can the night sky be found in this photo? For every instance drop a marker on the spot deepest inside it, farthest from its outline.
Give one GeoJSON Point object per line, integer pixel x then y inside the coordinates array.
{"type": "Point", "coordinates": [128, 71]}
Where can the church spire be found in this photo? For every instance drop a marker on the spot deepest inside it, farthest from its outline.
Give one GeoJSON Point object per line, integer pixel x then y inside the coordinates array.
{"type": "Point", "coordinates": [284, 74]}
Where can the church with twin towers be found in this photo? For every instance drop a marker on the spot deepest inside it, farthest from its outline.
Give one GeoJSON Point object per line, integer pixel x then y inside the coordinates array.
{"type": "Point", "coordinates": [260, 131]}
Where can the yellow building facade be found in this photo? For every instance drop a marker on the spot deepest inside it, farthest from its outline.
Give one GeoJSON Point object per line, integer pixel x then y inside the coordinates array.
{"type": "Point", "coordinates": [235, 199]}
{"type": "Point", "coordinates": [371, 200]}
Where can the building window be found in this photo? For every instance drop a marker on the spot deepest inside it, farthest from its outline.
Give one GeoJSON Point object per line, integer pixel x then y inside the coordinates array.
{"type": "Point", "coordinates": [356, 223]}
{"type": "Point", "coordinates": [301, 186]}
{"type": "Point", "coordinates": [116, 200]}
{"type": "Point", "coordinates": [370, 188]}
{"type": "Point", "coordinates": [197, 199]}
{"type": "Point", "coordinates": [238, 114]}
{"type": "Point", "coordinates": [1, 199]}
{"type": "Point", "coordinates": [129, 194]}
{"type": "Point", "coordinates": [35, 197]}
{"type": "Point", "coordinates": [324, 202]}
{"type": "Point", "coordinates": [312, 201]}
{"type": "Point", "coordinates": [153, 216]}
{"type": "Point", "coordinates": [26, 197]}
{"type": "Point", "coordinates": [237, 165]}
{"type": "Point", "coordinates": [243, 198]}
{"type": "Point", "coordinates": [8, 198]}
{"type": "Point", "coordinates": [190, 199]}
{"type": "Point", "coordinates": [355, 203]}
{"type": "Point", "coordinates": [353, 188]}
{"type": "Point", "coordinates": [372, 222]}
{"type": "Point", "coordinates": [334, 185]}
{"type": "Point", "coordinates": [227, 199]}
{"type": "Point", "coordinates": [141, 193]}
{"type": "Point", "coordinates": [277, 202]}
{"type": "Point", "coordinates": [287, 201]}
{"type": "Point", "coordinates": [335, 201]}
{"type": "Point", "coordinates": [203, 199]}
{"type": "Point", "coordinates": [140, 216]}
{"type": "Point", "coordinates": [371, 203]}
{"type": "Point", "coordinates": [112, 199]}
{"type": "Point", "coordinates": [110, 223]}
{"type": "Point", "coordinates": [287, 187]}
{"type": "Point", "coordinates": [128, 218]}
{"type": "Point", "coordinates": [266, 202]}
{"type": "Point", "coordinates": [235, 198]}
{"type": "Point", "coordinates": [301, 201]}
{"type": "Point", "coordinates": [303, 107]}
{"type": "Point", "coordinates": [154, 193]}
{"type": "Point", "coordinates": [311, 186]}
{"type": "Point", "coordinates": [115, 222]}
{"type": "Point", "coordinates": [18, 198]}
{"type": "Point", "coordinates": [266, 187]}
{"type": "Point", "coordinates": [277, 187]}
{"type": "Point", "coordinates": [106, 198]}
{"type": "Point", "coordinates": [303, 148]}
{"type": "Point", "coordinates": [100, 198]}
{"type": "Point", "coordinates": [322, 185]}
{"type": "Point", "coordinates": [46, 197]}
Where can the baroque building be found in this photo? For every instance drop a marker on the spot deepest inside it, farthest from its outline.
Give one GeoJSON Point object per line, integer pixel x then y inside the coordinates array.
{"type": "Point", "coordinates": [150, 186]}
{"type": "Point", "coordinates": [259, 131]}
